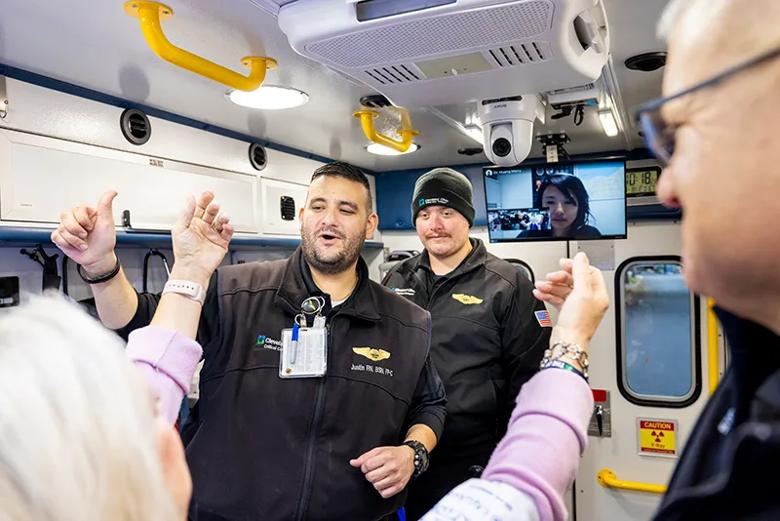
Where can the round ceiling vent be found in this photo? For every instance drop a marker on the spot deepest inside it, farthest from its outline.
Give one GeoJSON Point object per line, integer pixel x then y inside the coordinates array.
{"type": "Point", "coordinates": [135, 126]}
{"type": "Point", "coordinates": [257, 156]}
{"type": "Point", "coordinates": [646, 62]}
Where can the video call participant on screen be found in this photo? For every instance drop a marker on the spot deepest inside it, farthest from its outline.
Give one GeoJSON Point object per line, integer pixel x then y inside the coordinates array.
{"type": "Point", "coordinates": [568, 202]}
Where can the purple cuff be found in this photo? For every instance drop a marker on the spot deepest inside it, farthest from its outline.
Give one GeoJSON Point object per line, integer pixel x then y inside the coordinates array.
{"type": "Point", "coordinates": [547, 433]}
{"type": "Point", "coordinates": [168, 360]}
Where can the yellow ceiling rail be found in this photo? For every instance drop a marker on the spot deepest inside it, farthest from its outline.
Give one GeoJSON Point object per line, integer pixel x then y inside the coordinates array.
{"type": "Point", "coordinates": [607, 478]}
{"type": "Point", "coordinates": [367, 117]}
{"type": "Point", "coordinates": [149, 15]}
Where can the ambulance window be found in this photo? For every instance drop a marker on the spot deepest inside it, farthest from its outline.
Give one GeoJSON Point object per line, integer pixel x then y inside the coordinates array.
{"type": "Point", "coordinates": [523, 268]}
{"type": "Point", "coordinates": [657, 333]}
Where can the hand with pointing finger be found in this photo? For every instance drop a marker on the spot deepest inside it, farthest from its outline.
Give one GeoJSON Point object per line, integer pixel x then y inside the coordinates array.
{"type": "Point", "coordinates": [200, 239]}
{"type": "Point", "coordinates": [87, 235]}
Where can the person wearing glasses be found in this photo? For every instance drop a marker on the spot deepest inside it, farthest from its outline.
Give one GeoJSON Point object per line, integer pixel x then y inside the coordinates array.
{"type": "Point", "coordinates": [716, 133]}
{"type": "Point", "coordinates": [318, 399]}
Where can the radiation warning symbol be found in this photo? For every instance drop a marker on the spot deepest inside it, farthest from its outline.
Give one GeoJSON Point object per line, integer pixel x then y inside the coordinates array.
{"type": "Point", "coordinates": [657, 437]}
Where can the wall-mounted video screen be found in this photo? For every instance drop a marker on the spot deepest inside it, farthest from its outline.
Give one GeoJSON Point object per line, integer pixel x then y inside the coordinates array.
{"type": "Point", "coordinates": [556, 201]}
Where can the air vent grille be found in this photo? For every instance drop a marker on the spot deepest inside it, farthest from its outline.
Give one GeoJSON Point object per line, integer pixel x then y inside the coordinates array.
{"type": "Point", "coordinates": [287, 207]}
{"type": "Point", "coordinates": [452, 33]}
{"type": "Point", "coordinates": [135, 126]}
{"type": "Point", "coordinates": [519, 54]}
{"type": "Point", "coordinates": [393, 74]}
{"type": "Point", "coordinates": [257, 156]}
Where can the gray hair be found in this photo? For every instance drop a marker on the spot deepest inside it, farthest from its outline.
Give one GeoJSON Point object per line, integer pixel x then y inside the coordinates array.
{"type": "Point", "coordinates": [78, 438]}
{"type": "Point", "coordinates": [673, 11]}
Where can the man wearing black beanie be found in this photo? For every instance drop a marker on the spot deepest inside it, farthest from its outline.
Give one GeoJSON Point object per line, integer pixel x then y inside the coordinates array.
{"type": "Point", "coordinates": [489, 332]}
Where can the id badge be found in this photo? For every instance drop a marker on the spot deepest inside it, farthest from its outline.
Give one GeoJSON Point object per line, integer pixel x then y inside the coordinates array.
{"type": "Point", "coordinates": [306, 357]}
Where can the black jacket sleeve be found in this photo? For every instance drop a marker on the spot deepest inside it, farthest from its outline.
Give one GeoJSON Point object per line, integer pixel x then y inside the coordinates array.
{"type": "Point", "coordinates": [429, 403]}
{"type": "Point", "coordinates": [208, 327]}
{"type": "Point", "coordinates": [392, 278]}
{"type": "Point", "coordinates": [523, 342]}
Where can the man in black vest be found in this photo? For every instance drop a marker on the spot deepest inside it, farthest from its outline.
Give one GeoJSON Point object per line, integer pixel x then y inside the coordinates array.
{"type": "Point", "coordinates": [489, 332]}
{"type": "Point", "coordinates": [260, 445]}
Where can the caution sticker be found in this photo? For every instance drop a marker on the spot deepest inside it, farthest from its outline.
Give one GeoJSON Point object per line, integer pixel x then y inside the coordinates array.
{"type": "Point", "coordinates": [657, 437]}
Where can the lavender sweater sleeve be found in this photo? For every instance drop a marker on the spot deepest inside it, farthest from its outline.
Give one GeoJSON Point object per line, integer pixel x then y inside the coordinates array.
{"type": "Point", "coordinates": [167, 360]}
{"type": "Point", "coordinates": [546, 436]}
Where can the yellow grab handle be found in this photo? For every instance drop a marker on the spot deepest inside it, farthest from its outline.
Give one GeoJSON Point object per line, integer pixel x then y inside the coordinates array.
{"type": "Point", "coordinates": [367, 122]}
{"type": "Point", "coordinates": [607, 478]}
{"type": "Point", "coordinates": [149, 15]}
{"type": "Point", "coordinates": [713, 369]}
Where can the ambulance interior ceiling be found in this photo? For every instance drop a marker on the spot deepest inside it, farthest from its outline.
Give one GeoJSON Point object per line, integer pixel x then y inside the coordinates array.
{"type": "Point", "coordinates": [94, 44]}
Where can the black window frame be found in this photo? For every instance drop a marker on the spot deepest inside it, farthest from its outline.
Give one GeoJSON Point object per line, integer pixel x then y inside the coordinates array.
{"type": "Point", "coordinates": [697, 369]}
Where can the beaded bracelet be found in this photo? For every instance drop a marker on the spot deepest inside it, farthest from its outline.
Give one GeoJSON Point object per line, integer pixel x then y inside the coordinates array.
{"type": "Point", "coordinates": [560, 364]}
{"type": "Point", "coordinates": [560, 349]}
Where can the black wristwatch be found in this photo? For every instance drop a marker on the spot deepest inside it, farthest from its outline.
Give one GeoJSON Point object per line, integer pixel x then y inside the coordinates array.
{"type": "Point", "coordinates": [421, 459]}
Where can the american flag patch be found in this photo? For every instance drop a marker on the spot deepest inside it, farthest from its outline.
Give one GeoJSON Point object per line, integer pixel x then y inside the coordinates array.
{"type": "Point", "coordinates": [543, 317]}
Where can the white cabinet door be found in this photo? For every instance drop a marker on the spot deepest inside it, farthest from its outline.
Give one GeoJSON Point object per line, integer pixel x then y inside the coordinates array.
{"type": "Point", "coordinates": [40, 177]}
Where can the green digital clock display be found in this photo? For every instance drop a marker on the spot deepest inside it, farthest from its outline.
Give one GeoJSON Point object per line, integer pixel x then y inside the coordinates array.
{"type": "Point", "coordinates": [641, 182]}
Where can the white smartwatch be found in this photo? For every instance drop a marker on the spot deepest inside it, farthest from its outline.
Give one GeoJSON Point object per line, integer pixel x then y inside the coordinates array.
{"type": "Point", "coordinates": [189, 289]}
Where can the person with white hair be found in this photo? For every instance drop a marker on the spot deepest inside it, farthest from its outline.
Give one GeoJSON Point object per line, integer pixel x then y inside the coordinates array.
{"type": "Point", "coordinates": [81, 435]}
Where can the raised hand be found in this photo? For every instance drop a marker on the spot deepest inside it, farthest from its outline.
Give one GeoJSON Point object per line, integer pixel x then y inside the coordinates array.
{"type": "Point", "coordinates": [584, 307]}
{"type": "Point", "coordinates": [200, 239]}
{"type": "Point", "coordinates": [87, 235]}
{"type": "Point", "coordinates": [556, 286]}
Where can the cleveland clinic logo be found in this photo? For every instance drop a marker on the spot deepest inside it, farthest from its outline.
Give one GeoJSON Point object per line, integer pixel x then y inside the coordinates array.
{"type": "Point", "coordinates": [433, 200]}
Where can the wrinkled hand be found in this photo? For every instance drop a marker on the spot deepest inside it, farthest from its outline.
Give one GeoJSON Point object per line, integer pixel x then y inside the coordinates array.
{"type": "Point", "coordinates": [87, 235]}
{"type": "Point", "coordinates": [200, 239]}
{"type": "Point", "coordinates": [584, 307]}
{"type": "Point", "coordinates": [556, 286]}
{"type": "Point", "coordinates": [389, 469]}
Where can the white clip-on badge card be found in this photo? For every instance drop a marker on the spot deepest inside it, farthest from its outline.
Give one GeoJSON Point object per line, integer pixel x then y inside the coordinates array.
{"type": "Point", "coordinates": [304, 351]}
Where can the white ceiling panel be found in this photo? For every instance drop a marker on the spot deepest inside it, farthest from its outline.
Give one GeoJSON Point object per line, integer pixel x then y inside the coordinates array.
{"type": "Point", "coordinates": [94, 44]}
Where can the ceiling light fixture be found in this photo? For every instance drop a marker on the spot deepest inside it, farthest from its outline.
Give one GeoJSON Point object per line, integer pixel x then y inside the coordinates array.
{"type": "Point", "coordinates": [269, 97]}
{"type": "Point", "coordinates": [381, 150]}
{"type": "Point", "coordinates": [608, 122]}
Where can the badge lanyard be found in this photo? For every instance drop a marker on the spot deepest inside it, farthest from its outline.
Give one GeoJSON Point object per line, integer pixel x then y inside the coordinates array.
{"type": "Point", "coordinates": [304, 349]}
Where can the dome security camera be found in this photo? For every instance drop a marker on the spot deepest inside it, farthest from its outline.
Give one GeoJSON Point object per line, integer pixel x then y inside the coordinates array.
{"type": "Point", "coordinates": [508, 127]}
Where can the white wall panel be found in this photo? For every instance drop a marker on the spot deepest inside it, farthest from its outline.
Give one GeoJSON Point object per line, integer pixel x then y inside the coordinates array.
{"type": "Point", "coordinates": [271, 192]}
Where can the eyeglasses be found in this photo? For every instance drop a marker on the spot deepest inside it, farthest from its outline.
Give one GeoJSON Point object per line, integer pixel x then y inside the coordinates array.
{"type": "Point", "coordinates": [659, 135]}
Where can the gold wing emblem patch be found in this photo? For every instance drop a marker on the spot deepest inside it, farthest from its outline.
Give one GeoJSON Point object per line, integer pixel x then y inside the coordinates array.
{"type": "Point", "coordinates": [466, 299]}
{"type": "Point", "coordinates": [372, 353]}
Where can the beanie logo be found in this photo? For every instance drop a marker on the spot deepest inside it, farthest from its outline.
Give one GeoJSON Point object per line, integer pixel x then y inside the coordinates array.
{"type": "Point", "coordinates": [432, 200]}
